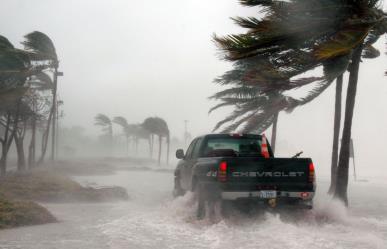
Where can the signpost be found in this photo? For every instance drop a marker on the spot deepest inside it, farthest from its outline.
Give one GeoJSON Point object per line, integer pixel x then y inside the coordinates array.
{"type": "Point", "coordinates": [352, 155]}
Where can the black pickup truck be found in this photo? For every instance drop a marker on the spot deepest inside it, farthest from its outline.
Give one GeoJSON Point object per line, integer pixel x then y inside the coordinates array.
{"type": "Point", "coordinates": [242, 167]}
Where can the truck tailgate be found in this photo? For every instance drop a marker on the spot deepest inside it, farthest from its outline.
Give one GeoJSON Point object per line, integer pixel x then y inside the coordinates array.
{"type": "Point", "coordinates": [268, 173]}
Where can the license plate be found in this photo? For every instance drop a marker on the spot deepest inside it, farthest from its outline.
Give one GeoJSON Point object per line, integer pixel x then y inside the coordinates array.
{"type": "Point", "coordinates": [268, 194]}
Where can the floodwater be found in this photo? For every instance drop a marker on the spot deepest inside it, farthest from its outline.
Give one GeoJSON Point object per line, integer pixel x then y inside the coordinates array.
{"type": "Point", "coordinates": [153, 219]}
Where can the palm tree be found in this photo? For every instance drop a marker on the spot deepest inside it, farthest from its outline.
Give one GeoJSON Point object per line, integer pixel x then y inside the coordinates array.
{"type": "Point", "coordinates": [297, 36]}
{"type": "Point", "coordinates": [158, 126]}
{"type": "Point", "coordinates": [107, 126]}
{"type": "Point", "coordinates": [140, 133]}
{"type": "Point", "coordinates": [17, 68]}
{"type": "Point", "coordinates": [369, 52]}
{"type": "Point", "coordinates": [121, 121]}
{"type": "Point", "coordinates": [41, 49]}
{"type": "Point", "coordinates": [341, 184]}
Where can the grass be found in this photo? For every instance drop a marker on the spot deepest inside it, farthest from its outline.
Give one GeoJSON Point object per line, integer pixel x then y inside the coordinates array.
{"type": "Point", "coordinates": [22, 213]}
{"type": "Point", "coordinates": [20, 190]}
{"type": "Point", "coordinates": [48, 186]}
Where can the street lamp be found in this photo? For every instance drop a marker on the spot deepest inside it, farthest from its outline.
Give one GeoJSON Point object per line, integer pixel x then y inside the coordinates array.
{"type": "Point", "coordinates": [54, 106]}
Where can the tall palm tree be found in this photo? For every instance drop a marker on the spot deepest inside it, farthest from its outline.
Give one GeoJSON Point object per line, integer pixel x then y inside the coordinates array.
{"type": "Point", "coordinates": [140, 133]}
{"type": "Point", "coordinates": [41, 49]}
{"type": "Point", "coordinates": [159, 127]}
{"type": "Point", "coordinates": [341, 183]}
{"type": "Point", "coordinates": [17, 68]}
{"type": "Point", "coordinates": [121, 121]}
{"type": "Point", "coordinates": [369, 52]}
{"type": "Point", "coordinates": [150, 125]}
{"type": "Point", "coordinates": [107, 126]}
{"type": "Point", "coordinates": [296, 36]}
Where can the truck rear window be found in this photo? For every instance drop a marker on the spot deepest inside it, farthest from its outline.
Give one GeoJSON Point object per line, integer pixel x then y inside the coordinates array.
{"type": "Point", "coordinates": [232, 146]}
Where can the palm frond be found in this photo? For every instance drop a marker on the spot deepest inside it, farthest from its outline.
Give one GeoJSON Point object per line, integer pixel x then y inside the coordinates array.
{"type": "Point", "coordinates": [41, 81]}
{"type": "Point", "coordinates": [102, 120]}
{"type": "Point", "coordinates": [342, 42]}
{"type": "Point", "coordinates": [121, 121]}
{"type": "Point", "coordinates": [41, 45]}
{"type": "Point", "coordinates": [223, 104]}
{"type": "Point", "coordinates": [5, 44]}
{"type": "Point", "coordinates": [235, 125]}
{"type": "Point", "coordinates": [370, 52]}
{"type": "Point", "coordinates": [156, 125]}
{"type": "Point", "coordinates": [252, 3]}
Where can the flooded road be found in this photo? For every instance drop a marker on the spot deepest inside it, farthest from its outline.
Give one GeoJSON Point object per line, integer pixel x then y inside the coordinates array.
{"type": "Point", "coordinates": [152, 219]}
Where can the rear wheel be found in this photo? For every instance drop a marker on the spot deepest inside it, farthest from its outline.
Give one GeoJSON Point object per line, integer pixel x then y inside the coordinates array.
{"type": "Point", "coordinates": [201, 202]}
{"type": "Point", "coordinates": [226, 208]}
{"type": "Point", "coordinates": [208, 202]}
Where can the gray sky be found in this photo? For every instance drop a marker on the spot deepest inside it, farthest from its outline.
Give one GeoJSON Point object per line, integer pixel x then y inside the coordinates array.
{"type": "Point", "coordinates": [144, 58]}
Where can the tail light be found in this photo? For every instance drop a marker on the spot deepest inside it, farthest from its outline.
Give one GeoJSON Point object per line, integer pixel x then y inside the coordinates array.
{"type": "Point", "coordinates": [304, 195]}
{"type": "Point", "coordinates": [312, 175]}
{"type": "Point", "coordinates": [222, 172]}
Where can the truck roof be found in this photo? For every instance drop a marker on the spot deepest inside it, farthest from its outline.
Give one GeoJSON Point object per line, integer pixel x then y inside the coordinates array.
{"type": "Point", "coordinates": [222, 135]}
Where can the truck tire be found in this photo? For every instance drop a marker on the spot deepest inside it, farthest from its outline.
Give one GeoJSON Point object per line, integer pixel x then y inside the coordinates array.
{"type": "Point", "coordinates": [226, 208]}
{"type": "Point", "coordinates": [201, 202]}
{"type": "Point", "coordinates": [207, 199]}
{"type": "Point", "coordinates": [177, 189]}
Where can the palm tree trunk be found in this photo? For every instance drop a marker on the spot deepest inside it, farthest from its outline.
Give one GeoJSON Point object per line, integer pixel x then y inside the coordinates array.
{"type": "Point", "coordinates": [160, 141]}
{"type": "Point", "coordinates": [336, 132]}
{"type": "Point", "coordinates": [3, 160]}
{"type": "Point", "coordinates": [152, 143]}
{"type": "Point", "coordinates": [32, 146]}
{"type": "Point", "coordinates": [45, 139]}
{"type": "Point", "coordinates": [4, 147]}
{"type": "Point", "coordinates": [7, 142]}
{"type": "Point", "coordinates": [136, 140]}
{"type": "Point", "coordinates": [274, 132]}
{"type": "Point", "coordinates": [342, 169]}
{"type": "Point", "coordinates": [127, 145]}
{"type": "Point", "coordinates": [21, 160]}
{"type": "Point", "coordinates": [150, 146]}
{"type": "Point", "coordinates": [19, 142]}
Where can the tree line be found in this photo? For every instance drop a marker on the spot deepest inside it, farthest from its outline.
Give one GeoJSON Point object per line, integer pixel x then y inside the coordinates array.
{"type": "Point", "coordinates": [273, 55]}
{"type": "Point", "coordinates": [150, 128]}
{"type": "Point", "coordinates": [28, 98]}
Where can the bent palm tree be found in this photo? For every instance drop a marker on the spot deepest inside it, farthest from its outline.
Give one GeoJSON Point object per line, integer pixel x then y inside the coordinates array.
{"type": "Point", "coordinates": [258, 98]}
{"type": "Point", "coordinates": [121, 121]}
{"type": "Point", "coordinates": [159, 127]}
{"type": "Point", "coordinates": [107, 126]}
{"type": "Point", "coordinates": [42, 49]}
{"type": "Point", "coordinates": [297, 36]}
{"type": "Point", "coordinates": [17, 69]}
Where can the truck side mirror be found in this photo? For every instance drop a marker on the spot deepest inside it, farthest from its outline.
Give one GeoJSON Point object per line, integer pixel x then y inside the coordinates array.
{"type": "Point", "coordinates": [180, 154]}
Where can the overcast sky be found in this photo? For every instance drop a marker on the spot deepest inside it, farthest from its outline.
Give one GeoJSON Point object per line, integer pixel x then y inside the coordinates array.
{"type": "Point", "coordinates": [145, 58]}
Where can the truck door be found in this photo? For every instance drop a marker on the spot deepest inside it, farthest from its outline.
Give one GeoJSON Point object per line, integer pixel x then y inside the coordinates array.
{"type": "Point", "coordinates": [194, 158]}
{"type": "Point", "coordinates": [185, 165]}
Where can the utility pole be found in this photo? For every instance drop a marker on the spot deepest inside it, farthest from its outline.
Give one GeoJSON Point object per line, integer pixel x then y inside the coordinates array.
{"type": "Point", "coordinates": [352, 154]}
{"type": "Point", "coordinates": [54, 110]}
